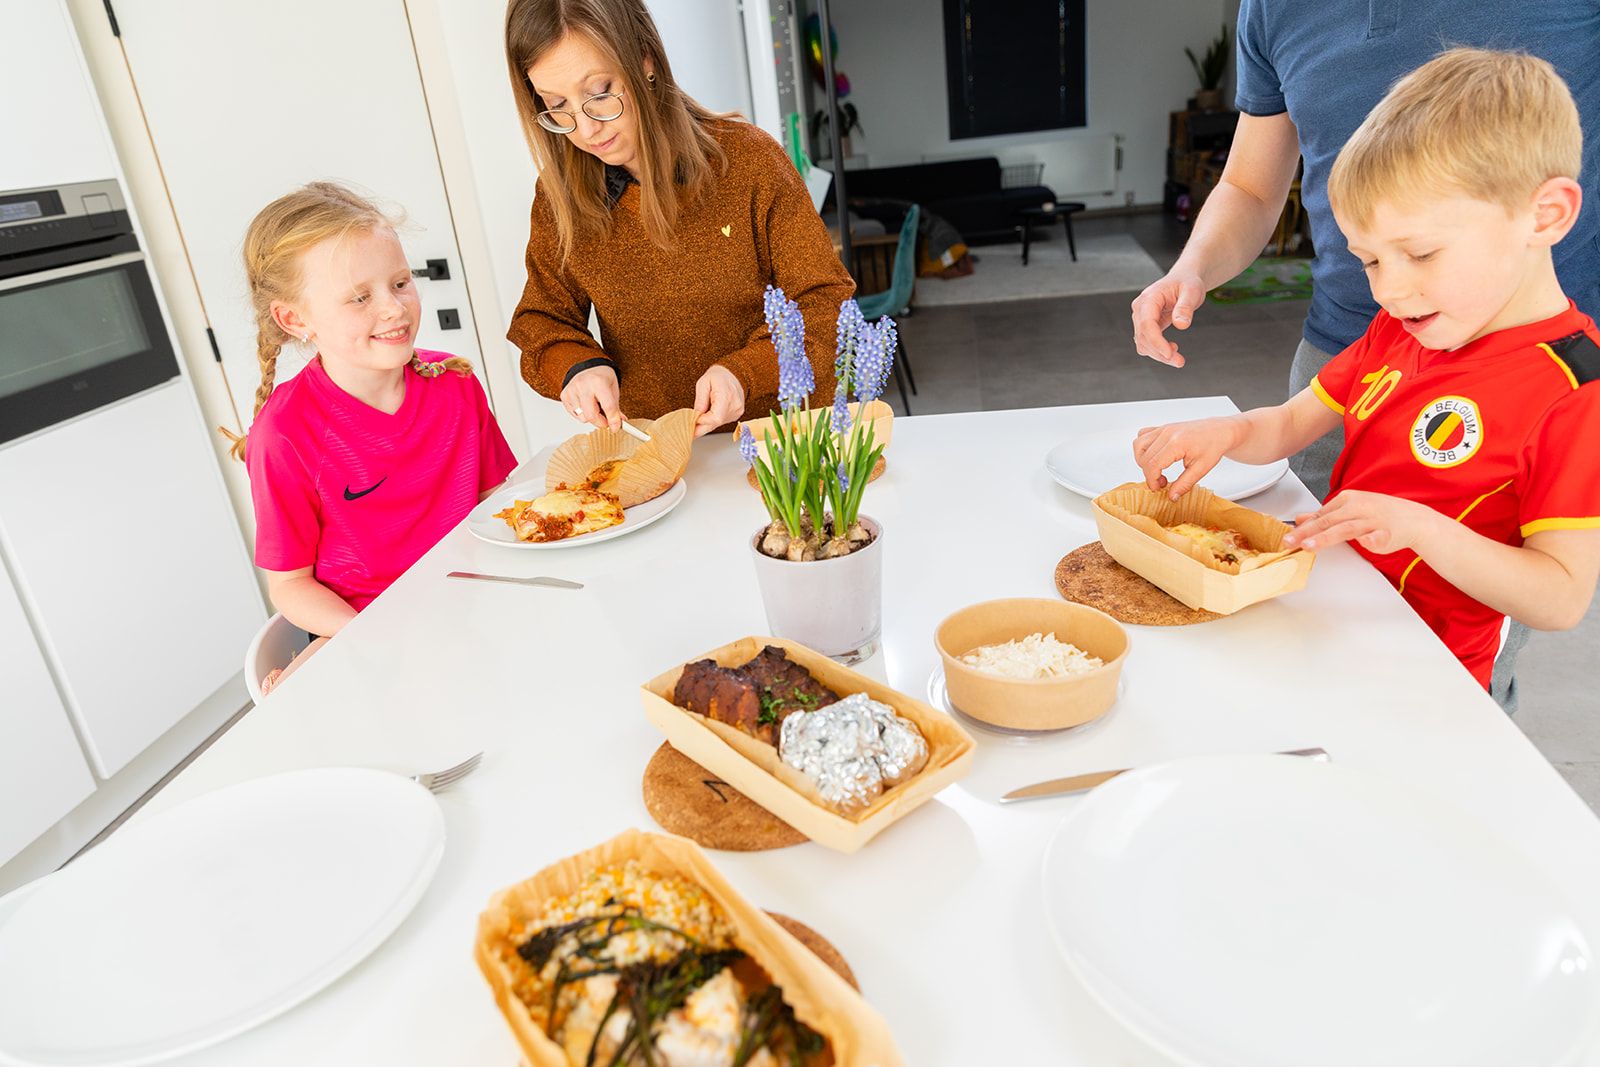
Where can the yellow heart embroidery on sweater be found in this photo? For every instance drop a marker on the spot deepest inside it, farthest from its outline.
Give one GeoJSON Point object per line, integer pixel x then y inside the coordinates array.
{"type": "Point", "coordinates": [727, 231]}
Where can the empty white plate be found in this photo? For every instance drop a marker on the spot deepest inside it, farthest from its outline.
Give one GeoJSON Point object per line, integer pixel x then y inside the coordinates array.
{"type": "Point", "coordinates": [1099, 462]}
{"type": "Point", "coordinates": [212, 917]}
{"type": "Point", "coordinates": [484, 526]}
{"type": "Point", "coordinates": [1260, 911]}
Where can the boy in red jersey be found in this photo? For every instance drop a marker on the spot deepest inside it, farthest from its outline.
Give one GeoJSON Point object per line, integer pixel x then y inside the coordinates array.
{"type": "Point", "coordinates": [1467, 476]}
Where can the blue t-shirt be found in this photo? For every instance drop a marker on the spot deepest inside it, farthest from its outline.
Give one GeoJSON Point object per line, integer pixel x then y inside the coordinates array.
{"type": "Point", "coordinates": [1328, 65]}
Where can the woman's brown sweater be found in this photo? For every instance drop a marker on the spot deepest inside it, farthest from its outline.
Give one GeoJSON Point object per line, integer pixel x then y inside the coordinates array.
{"type": "Point", "coordinates": [667, 316]}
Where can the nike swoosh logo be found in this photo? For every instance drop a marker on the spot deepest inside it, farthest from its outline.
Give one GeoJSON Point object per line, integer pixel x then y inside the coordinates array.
{"type": "Point", "coordinates": [348, 495]}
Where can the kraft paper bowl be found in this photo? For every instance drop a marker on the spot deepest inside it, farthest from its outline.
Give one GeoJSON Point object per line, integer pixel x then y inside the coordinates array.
{"type": "Point", "coordinates": [1032, 703]}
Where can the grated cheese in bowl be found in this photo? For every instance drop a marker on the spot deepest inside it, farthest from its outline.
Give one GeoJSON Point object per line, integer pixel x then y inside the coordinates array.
{"type": "Point", "coordinates": [1034, 656]}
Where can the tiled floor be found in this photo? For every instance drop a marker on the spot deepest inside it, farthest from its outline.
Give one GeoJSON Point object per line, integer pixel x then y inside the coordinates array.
{"type": "Point", "coordinates": [1078, 350]}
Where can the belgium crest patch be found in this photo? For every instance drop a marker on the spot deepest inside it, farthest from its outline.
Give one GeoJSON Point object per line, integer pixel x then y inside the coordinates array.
{"type": "Point", "coordinates": [1447, 432]}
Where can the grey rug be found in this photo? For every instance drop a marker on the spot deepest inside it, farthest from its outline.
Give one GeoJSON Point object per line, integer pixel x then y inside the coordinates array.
{"type": "Point", "coordinates": [1108, 264]}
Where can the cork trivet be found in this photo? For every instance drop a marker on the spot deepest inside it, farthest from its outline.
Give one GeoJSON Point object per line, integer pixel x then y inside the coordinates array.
{"type": "Point", "coordinates": [690, 801]}
{"type": "Point", "coordinates": [820, 947]}
{"type": "Point", "coordinates": [877, 472]}
{"type": "Point", "coordinates": [1088, 575]}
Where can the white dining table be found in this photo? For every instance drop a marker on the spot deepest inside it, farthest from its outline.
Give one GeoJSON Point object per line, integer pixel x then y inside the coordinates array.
{"type": "Point", "coordinates": [941, 916]}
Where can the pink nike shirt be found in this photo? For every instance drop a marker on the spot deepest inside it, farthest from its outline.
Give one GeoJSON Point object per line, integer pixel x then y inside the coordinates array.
{"type": "Point", "coordinates": [360, 495]}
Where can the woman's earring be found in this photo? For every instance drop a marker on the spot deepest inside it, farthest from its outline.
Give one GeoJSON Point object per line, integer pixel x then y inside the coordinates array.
{"type": "Point", "coordinates": [650, 77]}
{"type": "Point", "coordinates": [305, 338]}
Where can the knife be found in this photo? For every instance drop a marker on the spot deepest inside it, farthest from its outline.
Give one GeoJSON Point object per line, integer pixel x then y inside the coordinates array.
{"type": "Point", "coordinates": [559, 583]}
{"type": "Point", "coordinates": [1077, 783]}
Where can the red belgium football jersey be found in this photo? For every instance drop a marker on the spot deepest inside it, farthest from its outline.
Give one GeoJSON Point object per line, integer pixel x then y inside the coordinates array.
{"type": "Point", "coordinates": [1502, 434]}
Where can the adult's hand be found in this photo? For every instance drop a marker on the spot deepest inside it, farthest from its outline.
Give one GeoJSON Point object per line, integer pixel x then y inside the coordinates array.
{"type": "Point", "coordinates": [718, 399]}
{"type": "Point", "coordinates": [592, 396]}
{"type": "Point", "coordinates": [1232, 228]}
{"type": "Point", "coordinates": [1168, 301]}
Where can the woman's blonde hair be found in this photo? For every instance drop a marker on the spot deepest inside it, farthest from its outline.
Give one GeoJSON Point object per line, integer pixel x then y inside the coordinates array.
{"type": "Point", "coordinates": [677, 153]}
{"type": "Point", "coordinates": [1492, 125]}
{"type": "Point", "coordinates": [274, 245]}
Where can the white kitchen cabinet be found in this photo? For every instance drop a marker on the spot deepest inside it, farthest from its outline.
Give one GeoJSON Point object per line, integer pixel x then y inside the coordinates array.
{"type": "Point", "coordinates": [42, 771]}
{"type": "Point", "coordinates": [118, 532]}
{"type": "Point", "coordinates": [52, 133]}
{"type": "Point", "coordinates": [247, 101]}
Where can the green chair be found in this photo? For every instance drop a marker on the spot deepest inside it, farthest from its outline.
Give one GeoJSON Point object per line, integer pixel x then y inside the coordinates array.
{"type": "Point", "coordinates": [896, 300]}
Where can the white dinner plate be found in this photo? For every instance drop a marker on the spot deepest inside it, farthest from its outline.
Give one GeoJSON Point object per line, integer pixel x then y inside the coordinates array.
{"type": "Point", "coordinates": [484, 526]}
{"type": "Point", "coordinates": [1097, 463]}
{"type": "Point", "coordinates": [1260, 911]}
{"type": "Point", "coordinates": [212, 917]}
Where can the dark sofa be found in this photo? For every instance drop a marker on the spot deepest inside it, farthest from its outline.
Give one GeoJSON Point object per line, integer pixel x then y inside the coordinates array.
{"type": "Point", "coordinates": [964, 192]}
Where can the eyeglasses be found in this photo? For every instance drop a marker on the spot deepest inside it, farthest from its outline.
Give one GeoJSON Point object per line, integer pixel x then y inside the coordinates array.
{"type": "Point", "coordinates": [602, 107]}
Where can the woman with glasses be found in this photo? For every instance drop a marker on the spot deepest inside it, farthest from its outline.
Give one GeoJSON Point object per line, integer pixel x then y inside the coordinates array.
{"type": "Point", "coordinates": [667, 219]}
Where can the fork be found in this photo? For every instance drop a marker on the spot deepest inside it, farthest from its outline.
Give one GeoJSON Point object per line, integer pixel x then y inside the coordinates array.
{"type": "Point", "coordinates": [449, 776]}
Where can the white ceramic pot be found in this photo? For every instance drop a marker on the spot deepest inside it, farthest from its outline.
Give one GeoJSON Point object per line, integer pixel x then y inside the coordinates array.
{"type": "Point", "coordinates": [834, 606]}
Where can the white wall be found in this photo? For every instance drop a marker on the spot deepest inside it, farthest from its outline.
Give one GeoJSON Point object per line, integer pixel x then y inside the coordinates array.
{"type": "Point", "coordinates": [893, 52]}
{"type": "Point", "coordinates": [705, 42]}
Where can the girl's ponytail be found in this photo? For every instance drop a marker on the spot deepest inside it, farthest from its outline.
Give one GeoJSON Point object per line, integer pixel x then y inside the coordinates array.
{"type": "Point", "coordinates": [267, 350]}
{"type": "Point", "coordinates": [461, 366]}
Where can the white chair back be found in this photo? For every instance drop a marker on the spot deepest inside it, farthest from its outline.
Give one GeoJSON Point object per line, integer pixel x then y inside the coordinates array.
{"type": "Point", "coordinates": [274, 645]}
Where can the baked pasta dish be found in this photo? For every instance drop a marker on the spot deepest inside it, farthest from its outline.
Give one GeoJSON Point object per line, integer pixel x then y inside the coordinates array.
{"type": "Point", "coordinates": [640, 968]}
{"type": "Point", "coordinates": [1225, 546]}
{"type": "Point", "coordinates": [562, 513]}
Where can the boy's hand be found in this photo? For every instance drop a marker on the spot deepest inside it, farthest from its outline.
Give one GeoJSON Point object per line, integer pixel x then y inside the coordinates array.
{"type": "Point", "coordinates": [1198, 445]}
{"type": "Point", "coordinates": [1376, 521]}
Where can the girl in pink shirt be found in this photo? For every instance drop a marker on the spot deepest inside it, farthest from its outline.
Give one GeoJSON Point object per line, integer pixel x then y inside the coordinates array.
{"type": "Point", "coordinates": [362, 461]}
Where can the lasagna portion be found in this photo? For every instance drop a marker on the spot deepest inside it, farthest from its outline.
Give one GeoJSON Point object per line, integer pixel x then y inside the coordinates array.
{"type": "Point", "coordinates": [1225, 546]}
{"type": "Point", "coordinates": [562, 513]}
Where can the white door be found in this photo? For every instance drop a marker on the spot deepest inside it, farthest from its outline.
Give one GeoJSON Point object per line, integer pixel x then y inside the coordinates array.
{"type": "Point", "coordinates": [121, 537]}
{"type": "Point", "coordinates": [42, 772]}
{"type": "Point", "coordinates": [247, 101]}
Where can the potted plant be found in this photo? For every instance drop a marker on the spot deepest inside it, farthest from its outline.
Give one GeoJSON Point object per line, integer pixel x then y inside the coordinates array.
{"type": "Point", "coordinates": [819, 561]}
{"type": "Point", "coordinates": [1210, 70]}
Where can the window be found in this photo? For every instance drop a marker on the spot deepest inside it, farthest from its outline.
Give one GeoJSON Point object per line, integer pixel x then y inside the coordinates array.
{"type": "Point", "coordinates": [1014, 65]}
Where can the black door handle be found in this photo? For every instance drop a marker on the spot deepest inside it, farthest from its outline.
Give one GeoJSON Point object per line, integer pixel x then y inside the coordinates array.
{"type": "Point", "coordinates": [437, 270]}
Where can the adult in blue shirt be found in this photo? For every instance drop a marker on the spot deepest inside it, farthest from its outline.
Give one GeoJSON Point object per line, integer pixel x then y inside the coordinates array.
{"type": "Point", "coordinates": [1308, 74]}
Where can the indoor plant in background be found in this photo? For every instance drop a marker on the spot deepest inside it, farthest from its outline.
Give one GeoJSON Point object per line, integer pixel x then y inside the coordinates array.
{"type": "Point", "coordinates": [1210, 70]}
{"type": "Point", "coordinates": [819, 561]}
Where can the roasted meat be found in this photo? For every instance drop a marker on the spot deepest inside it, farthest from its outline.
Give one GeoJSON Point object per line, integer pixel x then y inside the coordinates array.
{"type": "Point", "coordinates": [722, 693]}
{"type": "Point", "coordinates": [754, 698]}
{"type": "Point", "coordinates": [785, 684]}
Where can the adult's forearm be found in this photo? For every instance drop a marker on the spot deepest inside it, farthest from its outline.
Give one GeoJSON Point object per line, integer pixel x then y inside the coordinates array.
{"type": "Point", "coordinates": [1230, 233]}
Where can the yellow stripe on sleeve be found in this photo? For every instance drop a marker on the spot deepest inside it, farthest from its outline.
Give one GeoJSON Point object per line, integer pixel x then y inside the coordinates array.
{"type": "Point", "coordinates": [1539, 525]}
{"type": "Point", "coordinates": [1562, 364]}
{"type": "Point", "coordinates": [1323, 395]}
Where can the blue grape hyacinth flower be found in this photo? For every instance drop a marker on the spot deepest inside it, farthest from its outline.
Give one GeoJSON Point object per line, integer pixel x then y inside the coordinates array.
{"type": "Point", "coordinates": [796, 378]}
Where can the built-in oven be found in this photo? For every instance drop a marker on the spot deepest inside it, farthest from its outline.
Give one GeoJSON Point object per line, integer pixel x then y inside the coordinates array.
{"type": "Point", "coordinates": [79, 322]}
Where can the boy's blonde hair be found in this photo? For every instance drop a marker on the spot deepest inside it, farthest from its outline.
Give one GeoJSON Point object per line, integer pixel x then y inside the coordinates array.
{"type": "Point", "coordinates": [1491, 125]}
{"type": "Point", "coordinates": [278, 237]}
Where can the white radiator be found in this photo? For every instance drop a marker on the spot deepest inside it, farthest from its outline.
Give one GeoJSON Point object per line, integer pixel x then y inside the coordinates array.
{"type": "Point", "coordinates": [1082, 164]}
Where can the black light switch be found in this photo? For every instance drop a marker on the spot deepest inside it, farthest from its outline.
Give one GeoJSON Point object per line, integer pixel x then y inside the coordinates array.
{"type": "Point", "coordinates": [449, 319]}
